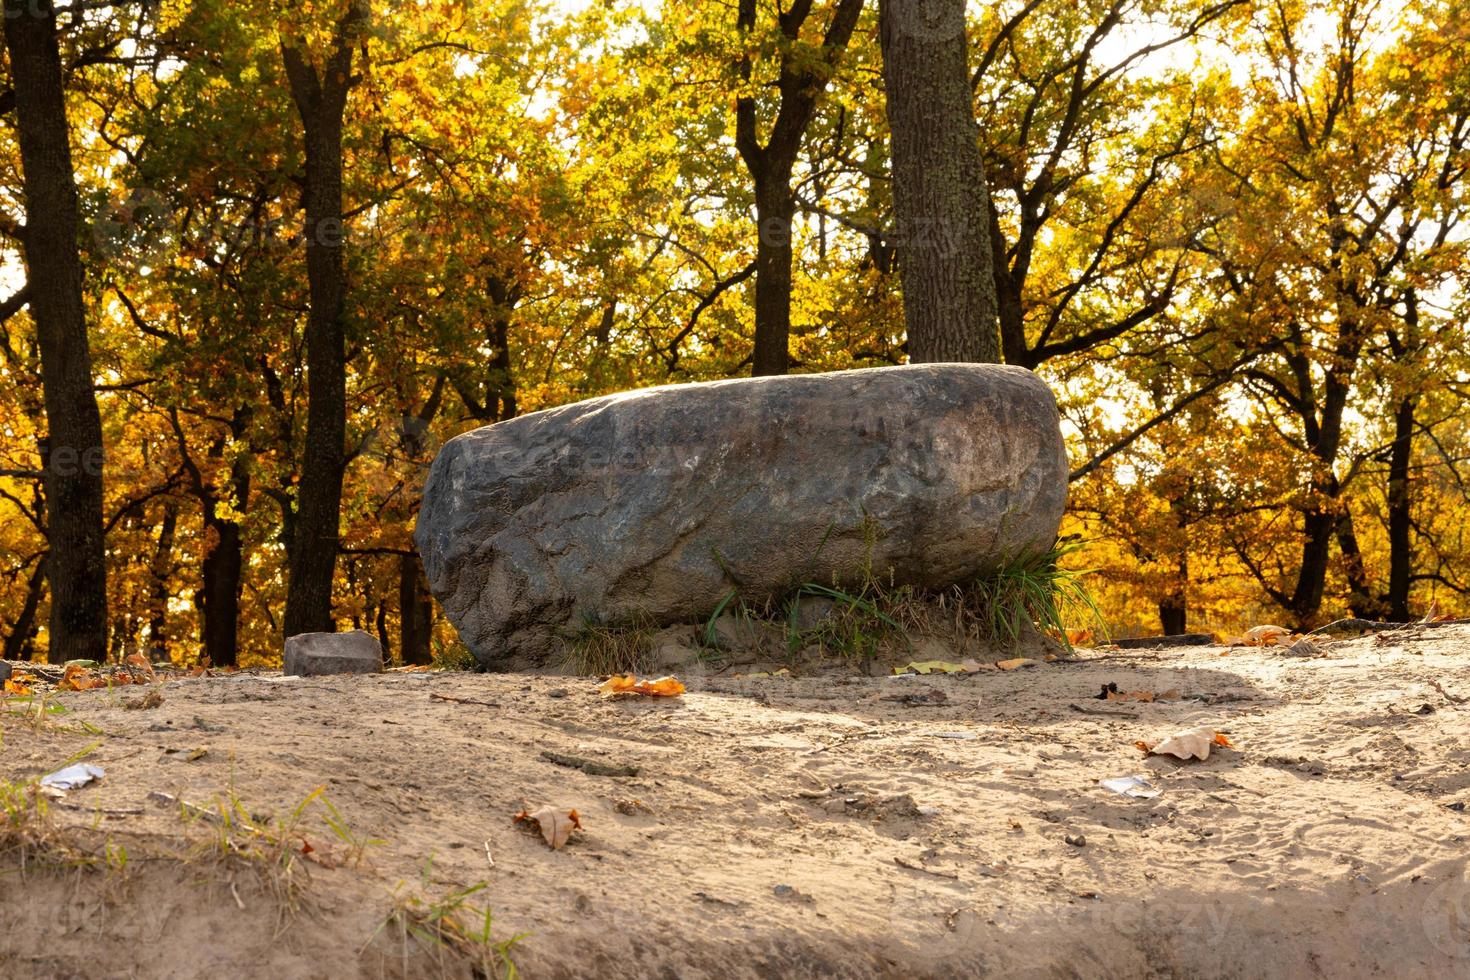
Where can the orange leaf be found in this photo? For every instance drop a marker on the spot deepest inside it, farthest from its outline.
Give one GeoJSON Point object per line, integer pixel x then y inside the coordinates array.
{"type": "Point", "coordinates": [17, 686]}
{"type": "Point", "coordinates": [1265, 636]}
{"type": "Point", "coordinates": [76, 678]}
{"type": "Point", "coordinates": [71, 679]}
{"type": "Point", "coordinates": [628, 685]}
{"type": "Point", "coordinates": [140, 663]}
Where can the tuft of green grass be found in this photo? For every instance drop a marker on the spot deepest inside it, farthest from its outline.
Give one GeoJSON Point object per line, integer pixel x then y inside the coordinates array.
{"type": "Point", "coordinates": [1030, 591]}
{"type": "Point", "coordinates": [41, 712]}
{"type": "Point", "coordinates": [450, 924]}
{"type": "Point", "coordinates": [1026, 594]}
{"type": "Point", "coordinates": [29, 834]}
{"type": "Point", "coordinates": [596, 649]}
{"type": "Point", "coordinates": [277, 849]}
{"type": "Point", "coordinates": [731, 598]}
{"type": "Point", "coordinates": [859, 626]}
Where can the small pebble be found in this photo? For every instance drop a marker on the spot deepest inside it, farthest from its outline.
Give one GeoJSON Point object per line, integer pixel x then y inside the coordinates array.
{"type": "Point", "coordinates": [1076, 840]}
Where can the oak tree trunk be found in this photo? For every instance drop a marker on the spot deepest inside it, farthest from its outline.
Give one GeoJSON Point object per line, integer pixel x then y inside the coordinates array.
{"type": "Point", "coordinates": [939, 194]}
{"type": "Point", "coordinates": [775, 207]}
{"type": "Point", "coordinates": [1173, 615]}
{"type": "Point", "coordinates": [415, 611]}
{"type": "Point", "coordinates": [770, 163]}
{"type": "Point", "coordinates": [321, 101]}
{"type": "Point", "coordinates": [73, 461]}
{"type": "Point", "coordinates": [1400, 519]}
{"type": "Point", "coordinates": [1322, 514]}
{"type": "Point", "coordinates": [161, 573]}
{"type": "Point", "coordinates": [1361, 602]}
{"type": "Point", "coordinates": [222, 574]}
{"type": "Point", "coordinates": [500, 384]}
{"type": "Point", "coordinates": [22, 635]}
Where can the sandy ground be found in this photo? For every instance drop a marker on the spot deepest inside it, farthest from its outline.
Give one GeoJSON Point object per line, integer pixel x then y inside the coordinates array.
{"type": "Point", "coordinates": [792, 827]}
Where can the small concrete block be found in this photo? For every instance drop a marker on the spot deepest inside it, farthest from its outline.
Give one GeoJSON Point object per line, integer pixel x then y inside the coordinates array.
{"type": "Point", "coordinates": [319, 654]}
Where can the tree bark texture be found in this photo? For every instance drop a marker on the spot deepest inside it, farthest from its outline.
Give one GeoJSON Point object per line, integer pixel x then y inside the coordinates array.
{"type": "Point", "coordinates": [76, 565]}
{"type": "Point", "coordinates": [939, 194]}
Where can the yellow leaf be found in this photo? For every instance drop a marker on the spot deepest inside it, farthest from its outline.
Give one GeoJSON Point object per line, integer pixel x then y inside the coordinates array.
{"type": "Point", "coordinates": [932, 666]}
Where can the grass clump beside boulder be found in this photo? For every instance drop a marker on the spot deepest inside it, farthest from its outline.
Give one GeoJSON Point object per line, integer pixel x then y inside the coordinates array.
{"type": "Point", "coordinates": [597, 649]}
{"type": "Point", "coordinates": [1023, 606]}
{"type": "Point", "coordinates": [1024, 595]}
{"type": "Point", "coordinates": [1002, 613]}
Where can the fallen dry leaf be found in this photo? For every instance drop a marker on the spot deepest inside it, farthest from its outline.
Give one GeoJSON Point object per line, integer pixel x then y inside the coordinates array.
{"type": "Point", "coordinates": [627, 685]}
{"type": "Point", "coordinates": [17, 686]}
{"type": "Point", "coordinates": [1193, 744]}
{"type": "Point", "coordinates": [1266, 636]}
{"type": "Point", "coordinates": [78, 678]}
{"type": "Point", "coordinates": [937, 667]}
{"type": "Point", "coordinates": [1015, 664]}
{"type": "Point", "coordinates": [556, 825]}
{"type": "Point", "coordinates": [139, 661]}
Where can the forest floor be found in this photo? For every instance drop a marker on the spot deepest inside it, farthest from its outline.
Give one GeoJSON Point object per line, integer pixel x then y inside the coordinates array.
{"type": "Point", "coordinates": [823, 825]}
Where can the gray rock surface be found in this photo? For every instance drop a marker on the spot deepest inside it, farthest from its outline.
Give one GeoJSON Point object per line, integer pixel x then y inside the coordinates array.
{"type": "Point", "coordinates": [731, 632]}
{"type": "Point", "coordinates": [672, 648]}
{"type": "Point", "coordinates": [319, 654]}
{"type": "Point", "coordinates": [811, 611]}
{"type": "Point", "coordinates": [652, 505]}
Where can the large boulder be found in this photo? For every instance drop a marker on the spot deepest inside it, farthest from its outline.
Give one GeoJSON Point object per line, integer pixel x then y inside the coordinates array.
{"type": "Point", "coordinates": [650, 506]}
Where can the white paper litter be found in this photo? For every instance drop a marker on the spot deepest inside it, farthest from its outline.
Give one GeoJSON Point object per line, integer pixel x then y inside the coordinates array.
{"type": "Point", "coordinates": [72, 777]}
{"type": "Point", "coordinates": [1137, 787]}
